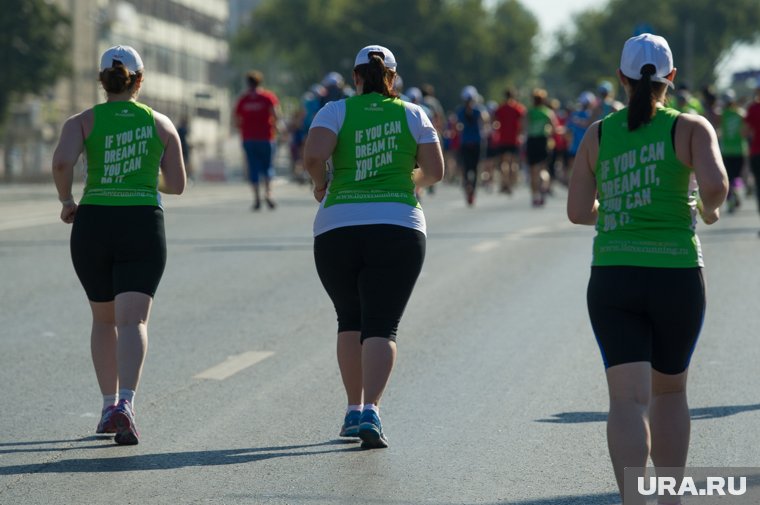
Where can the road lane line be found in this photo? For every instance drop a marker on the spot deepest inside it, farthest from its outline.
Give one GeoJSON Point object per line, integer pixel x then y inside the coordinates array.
{"type": "Point", "coordinates": [485, 246]}
{"type": "Point", "coordinates": [233, 365]}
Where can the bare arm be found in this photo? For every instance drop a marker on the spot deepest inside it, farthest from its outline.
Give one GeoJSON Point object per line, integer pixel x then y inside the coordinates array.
{"type": "Point", "coordinates": [582, 205]}
{"type": "Point", "coordinates": [697, 147]}
{"type": "Point", "coordinates": [430, 160]}
{"type": "Point", "coordinates": [172, 164]}
{"type": "Point", "coordinates": [66, 154]}
{"type": "Point", "coordinates": [320, 144]}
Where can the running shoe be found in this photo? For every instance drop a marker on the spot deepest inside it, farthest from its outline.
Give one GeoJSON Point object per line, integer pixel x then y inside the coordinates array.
{"type": "Point", "coordinates": [123, 419]}
{"type": "Point", "coordinates": [371, 431]}
{"type": "Point", "coordinates": [350, 426]}
{"type": "Point", "coordinates": [106, 424]}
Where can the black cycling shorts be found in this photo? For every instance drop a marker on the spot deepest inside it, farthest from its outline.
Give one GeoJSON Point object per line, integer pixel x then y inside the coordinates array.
{"type": "Point", "coordinates": [647, 314]}
{"type": "Point", "coordinates": [369, 272]}
{"type": "Point", "coordinates": [536, 150]}
{"type": "Point", "coordinates": [118, 249]}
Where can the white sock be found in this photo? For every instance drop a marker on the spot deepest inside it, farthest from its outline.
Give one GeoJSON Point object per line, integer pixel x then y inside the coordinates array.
{"type": "Point", "coordinates": [372, 406]}
{"type": "Point", "coordinates": [109, 400]}
{"type": "Point", "coordinates": [127, 394]}
{"type": "Point", "coordinates": [354, 407]}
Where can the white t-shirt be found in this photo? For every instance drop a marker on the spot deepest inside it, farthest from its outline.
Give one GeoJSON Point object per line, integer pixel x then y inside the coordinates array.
{"type": "Point", "coordinates": [331, 116]}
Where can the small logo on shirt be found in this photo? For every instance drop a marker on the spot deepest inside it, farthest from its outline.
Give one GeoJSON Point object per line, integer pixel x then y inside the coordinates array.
{"type": "Point", "coordinates": [374, 107]}
{"type": "Point", "coordinates": [125, 113]}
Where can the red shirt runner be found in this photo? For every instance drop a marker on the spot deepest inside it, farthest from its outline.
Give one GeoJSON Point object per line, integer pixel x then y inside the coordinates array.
{"type": "Point", "coordinates": [508, 115]}
{"type": "Point", "coordinates": [255, 115]}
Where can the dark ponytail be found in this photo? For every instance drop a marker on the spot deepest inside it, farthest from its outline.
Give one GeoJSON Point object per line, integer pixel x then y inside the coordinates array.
{"type": "Point", "coordinates": [376, 77]}
{"type": "Point", "coordinates": [117, 79]}
{"type": "Point", "coordinates": [644, 97]}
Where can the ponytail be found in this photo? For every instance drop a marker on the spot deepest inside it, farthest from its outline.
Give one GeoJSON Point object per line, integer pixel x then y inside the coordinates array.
{"type": "Point", "coordinates": [644, 97]}
{"type": "Point", "coordinates": [117, 79]}
{"type": "Point", "coordinates": [376, 77]}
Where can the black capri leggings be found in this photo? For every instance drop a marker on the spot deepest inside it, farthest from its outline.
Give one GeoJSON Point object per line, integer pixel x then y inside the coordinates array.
{"type": "Point", "coordinates": [647, 314]}
{"type": "Point", "coordinates": [369, 272]}
{"type": "Point", "coordinates": [118, 249]}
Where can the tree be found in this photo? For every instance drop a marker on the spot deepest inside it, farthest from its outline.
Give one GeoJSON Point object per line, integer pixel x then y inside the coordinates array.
{"type": "Point", "coordinates": [34, 42]}
{"type": "Point", "coordinates": [699, 33]}
{"type": "Point", "coordinates": [449, 43]}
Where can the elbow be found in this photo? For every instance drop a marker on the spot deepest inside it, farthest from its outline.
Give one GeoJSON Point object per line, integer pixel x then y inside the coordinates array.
{"type": "Point", "coordinates": [713, 195]}
{"type": "Point", "coordinates": [437, 175]}
{"type": "Point", "coordinates": [574, 217]}
{"type": "Point", "coordinates": [59, 166]}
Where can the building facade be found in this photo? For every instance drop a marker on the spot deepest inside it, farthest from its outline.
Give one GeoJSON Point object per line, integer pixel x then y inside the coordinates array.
{"type": "Point", "coordinates": [183, 44]}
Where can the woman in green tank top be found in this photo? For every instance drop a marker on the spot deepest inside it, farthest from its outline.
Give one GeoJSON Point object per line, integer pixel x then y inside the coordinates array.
{"type": "Point", "coordinates": [632, 179]}
{"type": "Point", "coordinates": [118, 245]}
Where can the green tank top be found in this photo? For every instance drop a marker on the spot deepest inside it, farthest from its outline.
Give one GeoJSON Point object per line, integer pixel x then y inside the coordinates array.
{"type": "Point", "coordinates": [375, 153]}
{"type": "Point", "coordinates": [123, 154]}
{"type": "Point", "coordinates": [731, 139]}
{"type": "Point", "coordinates": [647, 211]}
{"type": "Point", "coordinates": [539, 121]}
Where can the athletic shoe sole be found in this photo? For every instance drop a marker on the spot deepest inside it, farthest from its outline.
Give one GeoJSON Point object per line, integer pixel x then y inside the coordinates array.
{"type": "Point", "coordinates": [351, 432]}
{"type": "Point", "coordinates": [126, 434]}
{"type": "Point", "coordinates": [371, 438]}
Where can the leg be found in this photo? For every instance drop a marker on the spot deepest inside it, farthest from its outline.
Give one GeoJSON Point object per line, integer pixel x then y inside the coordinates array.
{"type": "Point", "coordinates": [251, 156]}
{"type": "Point", "coordinates": [268, 150]}
{"type": "Point", "coordinates": [103, 346]}
{"type": "Point", "coordinates": [755, 166]}
{"type": "Point", "coordinates": [628, 437]}
{"type": "Point", "coordinates": [394, 261]}
{"type": "Point", "coordinates": [132, 310]}
{"type": "Point", "coordinates": [378, 358]}
{"type": "Point", "coordinates": [669, 423]}
{"type": "Point", "coordinates": [350, 364]}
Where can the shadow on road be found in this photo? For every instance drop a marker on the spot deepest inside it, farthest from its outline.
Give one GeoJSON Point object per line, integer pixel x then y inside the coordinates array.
{"type": "Point", "coordinates": [165, 461]}
{"type": "Point", "coordinates": [586, 499]}
{"type": "Point", "coordinates": [696, 414]}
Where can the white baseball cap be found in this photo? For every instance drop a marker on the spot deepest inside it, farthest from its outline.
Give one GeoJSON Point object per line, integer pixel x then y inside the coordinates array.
{"type": "Point", "coordinates": [363, 56]}
{"type": "Point", "coordinates": [125, 55]}
{"type": "Point", "coordinates": [647, 49]}
{"type": "Point", "coordinates": [469, 93]}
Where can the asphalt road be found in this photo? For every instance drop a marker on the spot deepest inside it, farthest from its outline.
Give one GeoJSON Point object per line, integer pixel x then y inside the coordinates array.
{"type": "Point", "coordinates": [498, 396]}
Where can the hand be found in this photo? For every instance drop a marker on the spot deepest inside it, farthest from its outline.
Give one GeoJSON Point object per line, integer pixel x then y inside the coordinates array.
{"type": "Point", "coordinates": [710, 217]}
{"type": "Point", "coordinates": [68, 211]}
{"type": "Point", "coordinates": [319, 193]}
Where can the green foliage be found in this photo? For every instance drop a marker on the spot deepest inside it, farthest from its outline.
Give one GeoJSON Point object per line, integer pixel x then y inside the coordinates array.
{"type": "Point", "coordinates": [449, 43]}
{"type": "Point", "coordinates": [34, 48]}
{"type": "Point", "coordinates": [699, 32]}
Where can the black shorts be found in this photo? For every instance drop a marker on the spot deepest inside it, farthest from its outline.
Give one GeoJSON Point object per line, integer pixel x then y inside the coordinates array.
{"type": "Point", "coordinates": [369, 272]}
{"type": "Point", "coordinates": [507, 149]}
{"type": "Point", "coordinates": [647, 314]}
{"type": "Point", "coordinates": [118, 249]}
{"type": "Point", "coordinates": [536, 150]}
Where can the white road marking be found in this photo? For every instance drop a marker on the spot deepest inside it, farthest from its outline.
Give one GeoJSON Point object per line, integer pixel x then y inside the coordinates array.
{"type": "Point", "coordinates": [233, 365]}
{"type": "Point", "coordinates": [485, 246]}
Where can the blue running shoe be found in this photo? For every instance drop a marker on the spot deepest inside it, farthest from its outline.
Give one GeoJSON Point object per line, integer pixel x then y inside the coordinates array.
{"type": "Point", "coordinates": [371, 431]}
{"type": "Point", "coordinates": [123, 418]}
{"type": "Point", "coordinates": [350, 426]}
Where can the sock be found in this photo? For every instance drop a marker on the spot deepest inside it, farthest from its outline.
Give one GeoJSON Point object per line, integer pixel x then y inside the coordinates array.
{"type": "Point", "coordinates": [127, 394]}
{"type": "Point", "coordinates": [109, 400]}
{"type": "Point", "coordinates": [372, 406]}
{"type": "Point", "coordinates": [354, 407]}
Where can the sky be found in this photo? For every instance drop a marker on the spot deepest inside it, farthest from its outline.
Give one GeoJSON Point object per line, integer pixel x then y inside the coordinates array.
{"type": "Point", "coordinates": [554, 14]}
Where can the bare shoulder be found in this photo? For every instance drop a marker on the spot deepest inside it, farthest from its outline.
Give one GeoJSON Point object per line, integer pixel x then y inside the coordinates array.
{"type": "Point", "coordinates": [164, 124]}
{"type": "Point", "coordinates": [694, 122]}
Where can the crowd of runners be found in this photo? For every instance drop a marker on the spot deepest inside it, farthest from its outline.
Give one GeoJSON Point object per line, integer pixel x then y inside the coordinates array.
{"type": "Point", "coordinates": [531, 138]}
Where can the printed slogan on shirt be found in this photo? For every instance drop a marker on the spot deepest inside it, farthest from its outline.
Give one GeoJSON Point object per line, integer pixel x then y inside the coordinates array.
{"type": "Point", "coordinates": [627, 182]}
